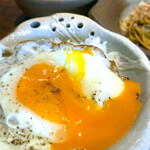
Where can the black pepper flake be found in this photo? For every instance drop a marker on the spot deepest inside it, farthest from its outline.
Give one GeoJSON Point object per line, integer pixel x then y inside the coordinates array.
{"type": "Point", "coordinates": [31, 148]}
{"type": "Point", "coordinates": [48, 83]}
{"type": "Point", "coordinates": [93, 96]}
{"type": "Point", "coordinates": [55, 90]}
{"type": "Point", "coordinates": [137, 95]}
{"type": "Point", "coordinates": [99, 99]}
{"type": "Point", "coordinates": [17, 142]}
{"type": "Point", "coordinates": [39, 137]}
{"type": "Point", "coordinates": [28, 141]}
{"type": "Point", "coordinates": [62, 70]}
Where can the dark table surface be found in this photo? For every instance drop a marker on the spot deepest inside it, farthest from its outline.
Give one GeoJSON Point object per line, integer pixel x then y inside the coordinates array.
{"type": "Point", "coordinates": [10, 16]}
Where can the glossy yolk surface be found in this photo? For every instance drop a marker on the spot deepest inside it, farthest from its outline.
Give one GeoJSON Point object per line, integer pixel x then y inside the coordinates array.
{"type": "Point", "coordinates": [77, 59]}
{"type": "Point", "coordinates": [54, 94]}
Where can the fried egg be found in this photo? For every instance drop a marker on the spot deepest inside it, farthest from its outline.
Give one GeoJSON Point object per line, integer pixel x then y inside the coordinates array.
{"type": "Point", "coordinates": [65, 96]}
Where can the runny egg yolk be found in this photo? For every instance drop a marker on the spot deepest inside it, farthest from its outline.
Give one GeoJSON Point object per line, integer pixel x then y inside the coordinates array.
{"type": "Point", "coordinates": [54, 94]}
{"type": "Point", "coordinates": [77, 59]}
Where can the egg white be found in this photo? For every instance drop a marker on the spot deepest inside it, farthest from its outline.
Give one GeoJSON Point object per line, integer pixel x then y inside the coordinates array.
{"type": "Point", "coordinates": [99, 84]}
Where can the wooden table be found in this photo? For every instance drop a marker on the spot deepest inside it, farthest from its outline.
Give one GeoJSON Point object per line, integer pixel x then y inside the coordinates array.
{"type": "Point", "coordinates": [10, 16]}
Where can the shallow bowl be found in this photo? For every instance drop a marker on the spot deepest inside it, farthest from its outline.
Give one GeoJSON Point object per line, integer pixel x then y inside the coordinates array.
{"type": "Point", "coordinates": [77, 28]}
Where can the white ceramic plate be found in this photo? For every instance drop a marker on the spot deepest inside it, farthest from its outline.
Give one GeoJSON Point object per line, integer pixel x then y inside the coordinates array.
{"type": "Point", "coordinates": [77, 28]}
